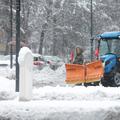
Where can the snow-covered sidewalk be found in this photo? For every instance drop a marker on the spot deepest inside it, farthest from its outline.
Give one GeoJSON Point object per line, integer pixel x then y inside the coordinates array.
{"type": "Point", "coordinates": [59, 101]}
{"type": "Point", "coordinates": [77, 93]}
{"type": "Point", "coordinates": [60, 110]}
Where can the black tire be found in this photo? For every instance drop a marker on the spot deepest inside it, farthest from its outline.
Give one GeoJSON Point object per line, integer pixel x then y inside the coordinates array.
{"type": "Point", "coordinates": [116, 79]}
{"type": "Point", "coordinates": [104, 82]}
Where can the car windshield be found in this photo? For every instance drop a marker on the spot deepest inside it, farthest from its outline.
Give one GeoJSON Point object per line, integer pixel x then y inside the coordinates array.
{"type": "Point", "coordinates": [110, 46]}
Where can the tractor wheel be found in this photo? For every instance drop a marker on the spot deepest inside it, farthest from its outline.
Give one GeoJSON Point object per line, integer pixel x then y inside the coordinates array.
{"type": "Point", "coordinates": [104, 82]}
{"type": "Point", "coordinates": [117, 79]}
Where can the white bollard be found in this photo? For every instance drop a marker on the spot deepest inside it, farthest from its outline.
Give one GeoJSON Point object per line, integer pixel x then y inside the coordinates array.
{"type": "Point", "coordinates": [25, 60]}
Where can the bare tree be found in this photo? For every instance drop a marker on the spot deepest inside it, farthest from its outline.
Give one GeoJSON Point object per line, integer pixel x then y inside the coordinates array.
{"type": "Point", "coordinates": [44, 29]}
{"type": "Point", "coordinates": [48, 9]}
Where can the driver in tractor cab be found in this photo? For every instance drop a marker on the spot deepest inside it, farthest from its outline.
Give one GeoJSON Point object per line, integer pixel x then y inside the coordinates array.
{"type": "Point", "coordinates": [79, 56]}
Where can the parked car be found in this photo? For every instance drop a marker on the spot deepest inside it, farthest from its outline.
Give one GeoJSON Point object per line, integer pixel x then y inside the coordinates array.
{"type": "Point", "coordinates": [53, 61]}
{"type": "Point", "coordinates": [38, 61]}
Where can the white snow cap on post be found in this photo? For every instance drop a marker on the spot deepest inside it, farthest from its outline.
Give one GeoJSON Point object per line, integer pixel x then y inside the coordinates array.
{"type": "Point", "coordinates": [25, 60]}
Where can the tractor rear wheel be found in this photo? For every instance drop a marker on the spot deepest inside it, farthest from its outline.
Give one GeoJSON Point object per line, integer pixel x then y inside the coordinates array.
{"type": "Point", "coordinates": [117, 79]}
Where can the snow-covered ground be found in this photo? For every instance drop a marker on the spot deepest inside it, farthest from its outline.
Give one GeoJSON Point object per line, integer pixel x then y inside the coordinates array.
{"type": "Point", "coordinates": [54, 100]}
{"type": "Point", "coordinates": [47, 76]}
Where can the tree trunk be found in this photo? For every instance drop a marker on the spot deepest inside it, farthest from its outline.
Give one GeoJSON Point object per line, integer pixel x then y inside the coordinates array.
{"type": "Point", "coordinates": [26, 13]}
{"type": "Point", "coordinates": [44, 29]}
{"type": "Point", "coordinates": [41, 42]}
{"type": "Point", "coordinates": [7, 48]}
{"type": "Point", "coordinates": [8, 39]}
{"type": "Point", "coordinates": [54, 43]}
{"type": "Point", "coordinates": [54, 36]}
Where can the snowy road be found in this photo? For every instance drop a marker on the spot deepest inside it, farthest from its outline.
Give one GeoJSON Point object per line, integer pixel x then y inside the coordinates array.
{"type": "Point", "coordinates": [58, 101]}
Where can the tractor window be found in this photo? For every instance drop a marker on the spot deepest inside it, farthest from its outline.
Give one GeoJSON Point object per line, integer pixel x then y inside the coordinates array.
{"type": "Point", "coordinates": [110, 46]}
{"type": "Point", "coordinates": [116, 46]}
{"type": "Point", "coordinates": [103, 47]}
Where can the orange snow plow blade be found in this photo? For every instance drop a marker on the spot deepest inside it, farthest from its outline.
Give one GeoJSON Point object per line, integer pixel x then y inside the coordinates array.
{"type": "Point", "coordinates": [75, 73]}
{"type": "Point", "coordinates": [94, 71]}
{"type": "Point", "coordinates": [90, 72]}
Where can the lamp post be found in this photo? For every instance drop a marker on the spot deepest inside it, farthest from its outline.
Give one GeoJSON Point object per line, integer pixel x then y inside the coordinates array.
{"type": "Point", "coordinates": [17, 42]}
{"type": "Point", "coordinates": [91, 28]}
{"type": "Point", "coordinates": [91, 9]}
{"type": "Point", "coordinates": [11, 34]}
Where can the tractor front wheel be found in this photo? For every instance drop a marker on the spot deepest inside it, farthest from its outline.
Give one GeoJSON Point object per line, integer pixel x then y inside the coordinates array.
{"type": "Point", "coordinates": [104, 82]}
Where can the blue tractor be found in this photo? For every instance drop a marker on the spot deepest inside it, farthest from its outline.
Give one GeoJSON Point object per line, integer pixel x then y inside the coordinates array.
{"type": "Point", "coordinates": [108, 45]}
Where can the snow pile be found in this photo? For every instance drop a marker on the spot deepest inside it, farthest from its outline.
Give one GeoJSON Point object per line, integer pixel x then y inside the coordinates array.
{"type": "Point", "coordinates": [22, 53]}
{"type": "Point", "coordinates": [47, 71]}
{"type": "Point", "coordinates": [11, 73]}
{"type": "Point", "coordinates": [77, 93]}
{"type": "Point", "coordinates": [43, 77]}
{"type": "Point", "coordinates": [4, 71]}
{"type": "Point", "coordinates": [60, 110]}
{"type": "Point", "coordinates": [61, 70]}
{"type": "Point", "coordinates": [7, 72]}
{"type": "Point", "coordinates": [47, 76]}
{"type": "Point", "coordinates": [7, 89]}
{"type": "Point", "coordinates": [6, 84]}
{"type": "Point", "coordinates": [61, 103]}
{"type": "Point", "coordinates": [61, 74]}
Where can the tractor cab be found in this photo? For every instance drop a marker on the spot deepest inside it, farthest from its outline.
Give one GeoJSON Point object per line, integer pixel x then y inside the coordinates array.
{"type": "Point", "coordinates": [109, 42]}
{"type": "Point", "coordinates": [109, 54]}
